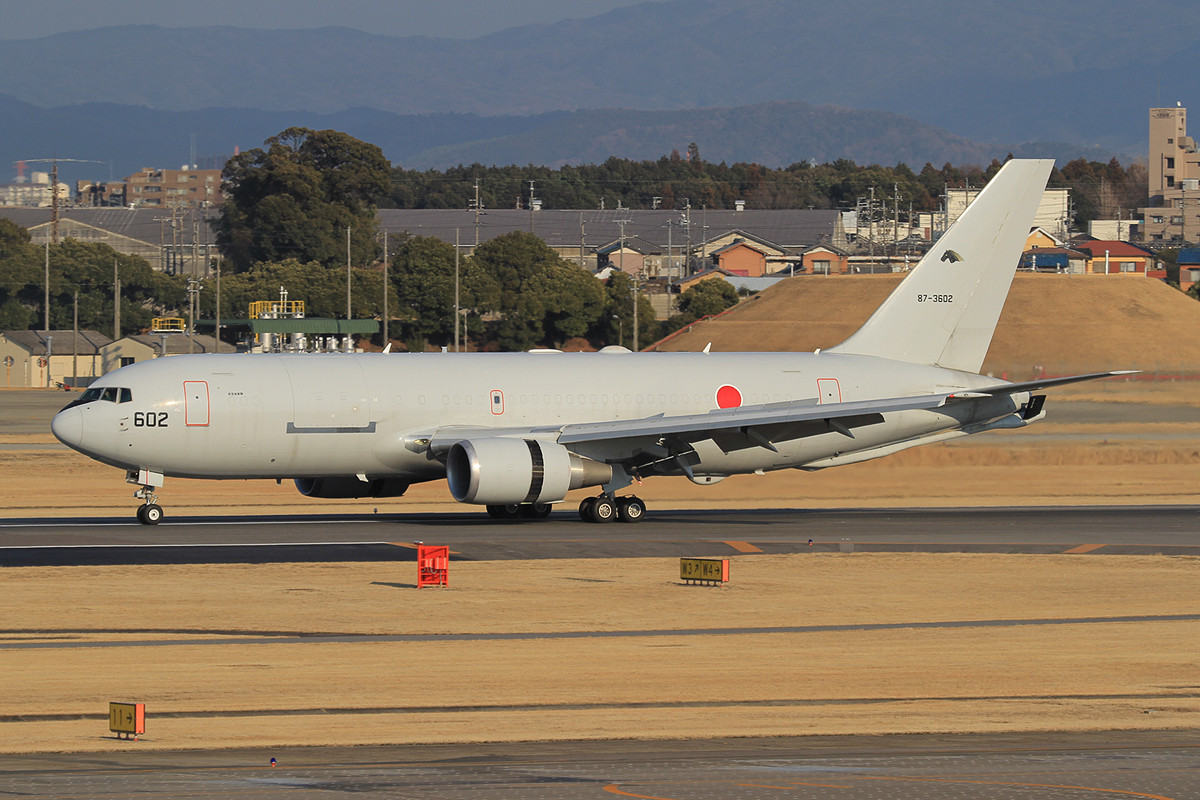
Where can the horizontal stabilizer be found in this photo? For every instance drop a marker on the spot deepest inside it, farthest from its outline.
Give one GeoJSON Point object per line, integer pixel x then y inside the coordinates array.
{"type": "Point", "coordinates": [1045, 383]}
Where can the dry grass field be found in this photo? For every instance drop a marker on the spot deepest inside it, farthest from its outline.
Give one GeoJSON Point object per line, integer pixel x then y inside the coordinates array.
{"type": "Point", "coordinates": [1065, 323]}
{"type": "Point", "coordinates": [140, 633]}
{"type": "Point", "coordinates": [1072, 675]}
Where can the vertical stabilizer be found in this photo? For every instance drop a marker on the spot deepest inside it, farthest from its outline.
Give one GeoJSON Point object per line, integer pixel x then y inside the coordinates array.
{"type": "Point", "coordinates": [945, 311]}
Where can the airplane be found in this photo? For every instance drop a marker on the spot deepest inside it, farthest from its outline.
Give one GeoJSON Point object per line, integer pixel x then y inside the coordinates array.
{"type": "Point", "coordinates": [515, 432]}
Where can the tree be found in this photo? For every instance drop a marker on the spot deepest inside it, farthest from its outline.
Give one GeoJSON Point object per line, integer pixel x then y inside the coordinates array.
{"type": "Point", "coordinates": [323, 290]}
{"type": "Point", "coordinates": [615, 325]}
{"type": "Point", "coordinates": [708, 297]}
{"type": "Point", "coordinates": [20, 297]}
{"type": "Point", "coordinates": [541, 298]}
{"type": "Point", "coordinates": [423, 276]}
{"type": "Point", "coordinates": [87, 267]}
{"type": "Point", "coordinates": [297, 198]}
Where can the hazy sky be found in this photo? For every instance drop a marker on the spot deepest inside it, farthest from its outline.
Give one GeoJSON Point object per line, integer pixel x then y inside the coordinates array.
{"type": "Point", "coordinates": [458, 19]}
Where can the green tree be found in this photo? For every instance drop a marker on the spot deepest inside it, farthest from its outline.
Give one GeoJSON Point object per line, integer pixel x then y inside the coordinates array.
{"type": "Point", "coordinates": [540, 298]}
{"type": "Point", "coordinates": [87, 268]}
{"type": "Point", "coordinates": [20, 278]}
{"type": "Point", "coordinates": [422, 272]}
{"type": "Point", "coordinates": [615, 325]}
{"type": "Point", "coordinates": [708, 297]}
{"type": "Point", "coordinates": [296, 198]}
{"type": "Point", "coordinates": [323, 290]}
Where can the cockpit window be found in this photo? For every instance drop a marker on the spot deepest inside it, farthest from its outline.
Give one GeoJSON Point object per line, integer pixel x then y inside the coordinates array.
{"type": "Point", "coordinates": [126, 396]}
{"type": "Point", "coordinates": [90, 395]}
{"type": "Point", "coordinates": [110, 394]}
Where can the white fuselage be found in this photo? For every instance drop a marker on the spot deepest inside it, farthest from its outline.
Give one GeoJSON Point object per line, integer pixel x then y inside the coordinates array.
{"type": "Point", "coordinates": [308, 415]}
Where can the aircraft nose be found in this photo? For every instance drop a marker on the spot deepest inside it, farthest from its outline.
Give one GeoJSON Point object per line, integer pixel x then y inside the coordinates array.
{"type": "Point", "coordinates": [67, 427]}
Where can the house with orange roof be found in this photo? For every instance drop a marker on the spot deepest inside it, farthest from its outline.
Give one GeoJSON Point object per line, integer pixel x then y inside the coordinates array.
{"type": "Point", "coordinates": [1120, 258]}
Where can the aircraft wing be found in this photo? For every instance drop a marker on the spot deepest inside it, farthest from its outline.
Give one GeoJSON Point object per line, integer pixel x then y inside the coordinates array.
{"type": "Point", "coordinates": [736, 428]}
{"type": "Point", "coordinates": [694, 427]}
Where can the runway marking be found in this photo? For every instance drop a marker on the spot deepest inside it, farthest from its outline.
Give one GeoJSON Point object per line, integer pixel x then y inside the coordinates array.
{"type": "Point", "coordinates": [151, 545]}
{"type": "Point", "coordinates": [744, 547]}
{"type": "Point", "coordinates": [612, 789]}
{"type": "Point", "coordinates": [363, 638]}
{"type": "Point", "coordinates": [1083, 548]}
{"type": "Point", "coordinates": [1029, 785]}
{"type": "Point", "coordinates": [792, 785]}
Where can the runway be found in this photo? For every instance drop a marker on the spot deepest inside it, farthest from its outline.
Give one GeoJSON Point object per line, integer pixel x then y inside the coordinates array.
{"type": "Point", "coordinates": [1118, 530]}
{"type": "Point", "coordinates": [1162, 765]}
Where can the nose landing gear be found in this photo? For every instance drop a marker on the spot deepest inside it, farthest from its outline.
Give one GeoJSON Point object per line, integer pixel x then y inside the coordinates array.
{"type": "Point", "coordinates": [150, 512]}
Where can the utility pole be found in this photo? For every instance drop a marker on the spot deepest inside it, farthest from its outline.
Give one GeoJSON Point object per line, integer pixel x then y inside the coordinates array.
{"type": "Point", "coordinates": [687, 229]}
{"type": "Point", "coordinates": [347, 276]}
{"type": "Point", "coordinates": [895, 218]}
{"type": "Point", "coordinates": [75, 342]}
{"type": "Point", "coordinates": [53, 184]}
{"type": "Point", "coordinates": [456, 309]}
{"type": "Point", "coordinates": [582, 239]}
{"type": "Point", "coordinates": [386, 333]}
{"type": "Point", "coordinates": [622, 223]}
{"type": "Point", "coordinates": [116, 302]}
{"type": "Point", "coordinates": [478, 206]}
{"type": "Point", "coordinates": [531, 198]}
{"type": "Point", "coordinates": [217, 329]}
{"type": "Point", "coordinates": [194, 288]}
{"type": "Point", "coordinates": [46, 310]}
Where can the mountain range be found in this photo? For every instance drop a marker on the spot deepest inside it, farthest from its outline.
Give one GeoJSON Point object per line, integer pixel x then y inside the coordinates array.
{"type": "Point", "coordinates": [871, 80]}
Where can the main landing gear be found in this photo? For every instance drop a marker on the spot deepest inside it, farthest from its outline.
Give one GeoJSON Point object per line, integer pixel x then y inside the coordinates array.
{"type": "Point", "coordinates": [520, 511]}
{"type": "Point", "coordinates": [150, 512]}
{"type": "Point", "coordinates": [606, 509]}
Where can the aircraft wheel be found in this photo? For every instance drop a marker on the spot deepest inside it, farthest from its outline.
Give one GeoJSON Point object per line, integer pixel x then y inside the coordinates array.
{"type": "Point", "coordinates": [535, 510]}
{"type": "Point", "coordinates": [631, 509]}
{"type": "Point", "coordinates": [150, 514]}
{"type": "Point", "coordinates": [603, 509]}
{"type": "Point", "coordinates": [585, 509]}
{"type": "Point", "coordinates": [510, 511]}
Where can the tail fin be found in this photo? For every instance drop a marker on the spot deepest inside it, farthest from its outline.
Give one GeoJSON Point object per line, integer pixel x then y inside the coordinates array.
{"type": "Point", "coordinates": [945, 311]}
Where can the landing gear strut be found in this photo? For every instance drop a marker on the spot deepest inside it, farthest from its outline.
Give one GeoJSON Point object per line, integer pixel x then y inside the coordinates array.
{"type": "Point", "coordinates": [605, 509]}
{"type": "Point", "coordinates": [150, 512]}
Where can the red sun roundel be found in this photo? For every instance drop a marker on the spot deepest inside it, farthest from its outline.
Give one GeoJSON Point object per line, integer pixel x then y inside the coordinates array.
{"type": "Point", "coordinates": [728, 397]}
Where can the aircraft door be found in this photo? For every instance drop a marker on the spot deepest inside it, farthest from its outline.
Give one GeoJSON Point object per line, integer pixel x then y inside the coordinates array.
{"type": "Point", "coordinates": [828, 390]}
{"type": "Point", "coordinates": [195, 403]}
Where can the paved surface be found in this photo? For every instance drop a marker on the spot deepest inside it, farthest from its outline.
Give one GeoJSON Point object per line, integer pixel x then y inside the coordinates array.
{"type": "Point", "coordinates": [1163, 765]}
{"type": "Point", "coordinates": [472, 536]}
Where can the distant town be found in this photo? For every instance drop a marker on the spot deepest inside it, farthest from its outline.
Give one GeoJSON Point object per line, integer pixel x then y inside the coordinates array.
{"type": "Point", "coordinates": [666, 227]}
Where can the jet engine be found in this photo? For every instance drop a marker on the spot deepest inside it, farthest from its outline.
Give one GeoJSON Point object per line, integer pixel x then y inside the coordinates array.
{"type": "Point", "coordinates": [342, 488]}
{"type": "Point", "coordinates": [500, 471]}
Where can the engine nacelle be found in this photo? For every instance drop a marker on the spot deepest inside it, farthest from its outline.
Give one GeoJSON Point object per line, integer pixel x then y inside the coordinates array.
{"type": "Point", "coordinates": [343, 488]}
{"type": "Point", "coordinates": [500, 471]}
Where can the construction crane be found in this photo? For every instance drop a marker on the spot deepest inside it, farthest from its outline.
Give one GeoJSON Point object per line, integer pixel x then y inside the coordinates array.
{"type": "Point", "coordinates": [53, 184]}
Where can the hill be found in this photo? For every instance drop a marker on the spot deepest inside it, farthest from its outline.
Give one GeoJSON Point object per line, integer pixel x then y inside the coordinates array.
{"type": "Point", "coordinates": [991, 70]}
{"type": "Point", "coordinates": [1066, 323]}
